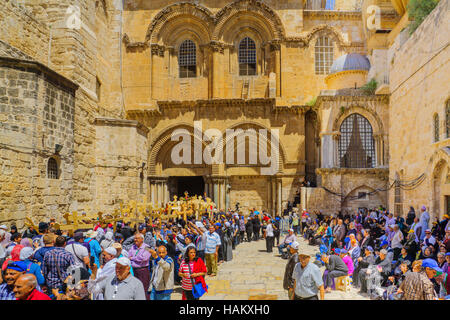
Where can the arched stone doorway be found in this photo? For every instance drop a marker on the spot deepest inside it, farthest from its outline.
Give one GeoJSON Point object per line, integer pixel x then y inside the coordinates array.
{"type": "Point", "coordinates": [441, 190]}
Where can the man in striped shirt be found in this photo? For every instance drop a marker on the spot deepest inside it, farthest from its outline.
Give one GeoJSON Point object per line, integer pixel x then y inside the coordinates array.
{"type": "Point", "coordinates": [211, 250]}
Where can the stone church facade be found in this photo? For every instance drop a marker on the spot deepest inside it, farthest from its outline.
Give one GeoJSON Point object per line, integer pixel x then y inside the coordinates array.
{"type": "Point", "coordinates": [93, 92]}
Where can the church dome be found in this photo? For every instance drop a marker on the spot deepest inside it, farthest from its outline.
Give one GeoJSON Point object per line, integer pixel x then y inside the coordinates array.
{"type": "Point", "coordinates": [351, 61]}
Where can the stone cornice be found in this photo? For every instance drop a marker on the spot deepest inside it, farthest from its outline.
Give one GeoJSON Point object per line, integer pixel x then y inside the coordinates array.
{"type": "Point", "coordinates": [237, 103]}
{"type": "Point", "coordinates": [333, 14]}
{"type": "Point", "coordinates": [381, 172]}
{"type": "Point", "coordinates": [337, 74]}
{"type": "Point", "coordinates": [39, 67]}
{"type": "Point", "coordinates": [121, 123]}
{"type": "Point", "coordinates": [353, 98]}
{"type": "Point", "coordinates": [130, 45]}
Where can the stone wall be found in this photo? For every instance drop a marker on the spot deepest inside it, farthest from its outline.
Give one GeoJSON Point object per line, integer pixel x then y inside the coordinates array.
{"type": "Point", "coordinates": [20, 28]}
{"type": "Point", "coordinates": [343, 186]}
{"type": "Point", "coordinates": [121, 149]}
{"type": "Point", "coordinates": [36, 113]}
{"type": "Point", "coordinates": [419, 77]}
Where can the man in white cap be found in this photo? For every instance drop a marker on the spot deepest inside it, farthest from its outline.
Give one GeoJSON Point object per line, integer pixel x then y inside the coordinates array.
{"type": "Point", "coordinates": [122, 285]}
{"type": "Point", "coordinates": [429, 240]}
{"type": "Point", "coordinates": [290, 238]}
{"type": "Point", "coordinates": [288, 281]}
{"type": "Point", "coordinates": [308, 282]}
{"type": "Point", "coordinates": [97, 276]}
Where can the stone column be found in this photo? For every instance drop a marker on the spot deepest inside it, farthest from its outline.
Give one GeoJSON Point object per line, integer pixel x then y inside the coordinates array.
{"type": "Point", "coordinates": [378, 138]}
{"type": "Point", "coordinates": [166, 191]}
{"type": "Point", "coordinates": [335, 146]}
{"type": "Point", "coordinates": [152, 191]}
{"type": "Point", "coordinates": [279, 196]}
{"type": "Point", "coordinates": [327, 151]}
{"type": "Point", "coordinates": [216, 50]}
{"type": "Point", "coordinates": [274, 195]}
{"type": "Point", "coordinates": [227, 195]}
{"type": "Point", "coordinates": [275, 47]}
{"type": "Point", "coordinates": [216, 193]}
{"type": "Point", "coordinates": [157, 60]}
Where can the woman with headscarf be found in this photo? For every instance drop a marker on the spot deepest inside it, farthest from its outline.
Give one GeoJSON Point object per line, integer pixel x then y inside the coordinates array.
{"type": "Point", "coordinates": [426, 253]}
{"type": "Point", "coordinates": [25, 255]}
{"type": "Point", "coordinates": [410, 217]}
{"type": "Point", "coordinates": [15, 255]}
{"type": "Point", "coordinates": [367, 240]}
{"type": "Point", "coordinates": [228, 239]}
{"type": "Point", "coordinates": [354, 251]}
{"type": "Point", "coordinates": [411, 245]}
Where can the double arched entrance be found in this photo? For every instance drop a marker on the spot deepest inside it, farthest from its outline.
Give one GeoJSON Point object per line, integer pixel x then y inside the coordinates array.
{"type": "Point", "coordinates": [173, 170]}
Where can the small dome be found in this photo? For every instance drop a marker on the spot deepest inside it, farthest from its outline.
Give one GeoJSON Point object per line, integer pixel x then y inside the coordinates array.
{"type": "Point", "coordinates": [351, 61]}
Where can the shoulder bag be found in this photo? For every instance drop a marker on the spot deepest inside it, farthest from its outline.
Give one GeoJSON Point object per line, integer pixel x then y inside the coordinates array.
{"type": "Point", "coordinates": [197, 289]}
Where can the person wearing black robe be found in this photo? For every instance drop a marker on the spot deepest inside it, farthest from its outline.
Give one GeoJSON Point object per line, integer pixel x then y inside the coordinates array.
{"type": "Point", "coordinates": [249, 229]}
{"type": "Point", "coordinates": [256, 228]}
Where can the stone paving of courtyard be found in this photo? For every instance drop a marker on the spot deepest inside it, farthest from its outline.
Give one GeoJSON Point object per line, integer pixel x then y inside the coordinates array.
{"type": "Point", "coordinates": [254, 274]}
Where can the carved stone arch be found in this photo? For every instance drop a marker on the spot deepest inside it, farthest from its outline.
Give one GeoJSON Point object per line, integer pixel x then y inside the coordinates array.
{"type": "Point", "coordinates": [254, 125]}
{"type": "Point", "coordinates": [164, 137]}
{"type": "Point", "coordinates": [438, 181]}
{"type": "Point", "coordinates": [255, 11]}
{"type": "Point", "coordinates": [324, 29]}
{"type": "Point", "coordinates": [201, 15]}
{"type": "Point", "coordinates": [373, 118]}
{"type": "Point", "coordinates": [243, 32]}
{"type": "Point", "coordinates": [353, 193]}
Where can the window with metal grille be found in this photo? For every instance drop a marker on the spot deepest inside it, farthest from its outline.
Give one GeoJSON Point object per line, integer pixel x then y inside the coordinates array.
{"type": "Point", "coordinates": [324, 54]}
{"type": "Point", "coordinates": [247, 57]}
{"type": "Point", "coordinates": [356, 143]}
{"type": "Point", "coordinates": [436, 128]}
{"type": "Point", "coordinates": [187, 59]}
{"type": "Point", "coordinates": [52, 169]}
{"type": "Point", "coordinates": [447, 119]}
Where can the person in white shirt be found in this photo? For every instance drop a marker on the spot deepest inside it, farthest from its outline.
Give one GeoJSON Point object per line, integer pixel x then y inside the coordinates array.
{"type": "Point", "coordinates": [396, 242]}
{"type": "Point", "coordinates": [268, 233]}
{"type": "Point", "coordinates": [107, 270]}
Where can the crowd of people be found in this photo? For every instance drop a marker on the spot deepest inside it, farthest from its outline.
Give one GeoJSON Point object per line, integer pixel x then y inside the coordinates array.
{"type": "Point", "coordinates": [147, 261]}
{"type": "Point", "coordinates": [385, 257]}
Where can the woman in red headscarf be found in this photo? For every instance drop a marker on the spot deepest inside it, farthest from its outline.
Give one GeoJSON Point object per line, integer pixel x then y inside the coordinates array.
{"type": "Point", "coordinates": [15, 255]}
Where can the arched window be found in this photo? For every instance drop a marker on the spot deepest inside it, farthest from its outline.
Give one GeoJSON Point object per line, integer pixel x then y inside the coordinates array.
{"type": "Point", "coordinates": [356, 143]}
{"type": "Point", "coordinates": [187, 59]}
{"type": "Point", "coordinates": [447, 119]}
{"type": "Point", "coordinates": [247, 57]}
{"type": "Point", "coordinates": [436, 127]}
{"type": "Point", "coordinates": [52, 169]}
{"type": "Point", "coordinates": [323, 55]}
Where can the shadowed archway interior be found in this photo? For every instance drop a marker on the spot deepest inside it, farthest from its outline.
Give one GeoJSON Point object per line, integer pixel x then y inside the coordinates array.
{"type": "Point", "coordinates": [193, 185]}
